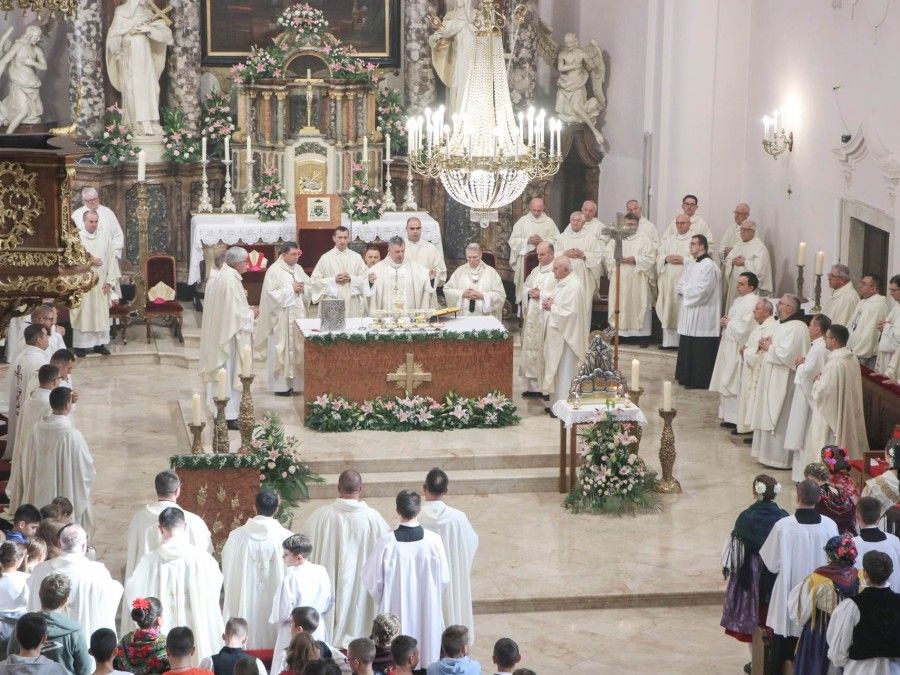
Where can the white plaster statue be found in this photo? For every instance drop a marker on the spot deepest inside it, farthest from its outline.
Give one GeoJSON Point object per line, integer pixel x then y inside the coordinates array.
{"type": "Point", "coordinates": [451, 50]}
{"type": "Point", "coordinates": [23, 59]}
{"type": "Point", "coordinates": [135, 58]}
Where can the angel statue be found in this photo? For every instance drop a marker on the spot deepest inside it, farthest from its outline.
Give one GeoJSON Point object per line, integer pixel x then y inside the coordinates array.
{"type": "Point", "coordinates": [451, 49]}
{"type": "Point", "coordinates": [23, 59]}
{"type": "Point", "coordinates": [576, 65]}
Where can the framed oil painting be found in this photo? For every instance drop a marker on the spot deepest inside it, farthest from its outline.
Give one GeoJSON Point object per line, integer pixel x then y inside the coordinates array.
{"type": "Point", "coordinates": [230, 27]}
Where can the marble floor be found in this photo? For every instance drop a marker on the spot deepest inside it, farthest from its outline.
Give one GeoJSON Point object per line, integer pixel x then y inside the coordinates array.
{"type": "Point", "coordinates": [595, 593]}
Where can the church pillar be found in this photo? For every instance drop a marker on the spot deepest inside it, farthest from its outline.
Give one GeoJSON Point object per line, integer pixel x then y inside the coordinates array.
{"type": "Point", "coordinates": [418, 74]}
{"type": "Point", "coordinates": [84, 34]}
{"type": "Point", "coordinates": [184, 60]}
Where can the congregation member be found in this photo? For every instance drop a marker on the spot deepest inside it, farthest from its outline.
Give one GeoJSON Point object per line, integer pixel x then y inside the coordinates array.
{"type": "Point", "coordinates": [864, 632]}
{"type": "Point", "coordinates": [700, 290]}
{"type": "Point", "coordinates": [455, 659]}
{"type": "Point", "coordinates": [889, 342]}
{"type": "Point", "coordinates": [143, 651]}
{"type": "Point", "coordinates": [737, 325]}
{"type": "Point", "coordinates": [506, 656]}
{"type": "Point", "coordinates": [592, 224]}
{"type": "Point", "coordinates": [341, 274]}
{"type": "Point", "coordinates": [775, 389]}
{"type": "Point", "coordinates": [733, 232]}
{"type": "Point", "coordinates": [360, 654]}
{"type": "Point", "coordinates": [689, 204]}
{"type": "Point", "coordinates": [342, 534]}
{"type": "Point", "coordinates": [103, 648]}
{"type": "Point", "coordinates": [794, 548]}
{"type": "Point", "coordinates": [399, 284]}
{"type": "Point", "coordinates": [566, 337]}
{"type": "Point", "coordinates": [583, 249]}
{"type": "Point", "coordinates": [253, 569]}
{"type": "Point", "coordinates": [837, 497]}
{"type": "Point", "coordinates": [143, 530]}
{"type": "Point", "coordinates": [635, 268]}
{"type": "Point", "coordinates": [90, 320]}
{"type": "Point", "coordinates": [475, 287]}
{"type": "Point", "coordinates": [189, 580]}
{"type": "Point", "coordinates": [406, 573]}
{"type": "Point", "coordinates": [26, 519]}
{"type": "Point", "coordinates": [307, 620]}
{"type": "Point", "coordinates": [674, 250]}
{"type": "Point", "coordinates": [844, 298]}
{"type": "Point", "coordinates": [870, 311]}
{"type": "Point", "coordinates": [301, 651]}
{"type": "Point", "coordinates": [426, 254]}
{"type": "Point", "coordinates": [527, 232]}
{"type": "Point", "coordinates": [539, 285]}
{"type": "Point", "coordinates": [90, 200]}
{"type": "Point", "coordinates": [181, 650]}
{"type": "Point", "coordinates": [285, 296]}
{"type": "Point", "coordinates": [31, 633]}
{"type": "Point", "coordinates": [809, 367]}
{"type": "Point", "coordinates": [14, 591]}
{"type": "Point", "coordinates": [749, 254]}
{"type": "Point", "coordinates": [372, 255]}
{"type": "Point", "coordinates": [405, 653]}
{"type": "Point", "coordinates": [226, 330]}
{"type": "Point", "coordinates": [32, 357]}
{"type": "Point", "coordinates": [235, 639]}
{"type": "Point", "coordinates": [385, 628]}
{"type": "Point", "coordinates": [751, 365]}
{"type": "Point", "coordinates": [460, 544]}
{"type": "Point", "coordinates": [872, 538]}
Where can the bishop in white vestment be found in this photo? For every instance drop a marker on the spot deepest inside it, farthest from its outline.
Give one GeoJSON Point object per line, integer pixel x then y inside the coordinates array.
{"type": "Point", "coordinates": [475, 287]}
{"type": "Point", "coordinates": [870, 311]}
{"type": "Point", "coordinates": [529, 231]}
{"type": "Point", "coordinates": [400, 284]}
{"type": "Point", "coordinates": [636, 266]}
{"type": "Point", "coordinates": [747, 255]}
{"type": "Point", "coordinates": [583, 249]}
{"type": "Point", "coordinates": [842, 303]}
{"type": "Point", "coordinates": [890, 328]}
{"type": "Point", "coordinates": [32, 357]}
{"type": "Point", "coordinates": [751, 363]}
{"type": "Point", "coordinates": [341, 274]}
{"type": "Point", "coordinates": [538, 286]}
{"type": "Point", "coordinates": [566, 337]}
{"type": "Point", "coordinates": [90, 320]}
{"type": "Point", "coordinates": [425, 253]}
{"type": "Point", "coordinates": [673, 252]}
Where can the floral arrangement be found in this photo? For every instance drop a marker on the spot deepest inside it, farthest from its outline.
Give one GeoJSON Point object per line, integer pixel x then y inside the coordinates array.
{"type": "Point", "coordinates": [331, 338]}
{"type": "Point", "coordinates": [611, 477]}
{"type": "Point", "coordinates": [271, 202]}
{"type": "Point", "coordinates": [180, 144]}
{"type": "Point", "coordinates": [304, 21]}
{"type": "Point", "coordinates": [262, 64]}
{"type": "Point", "coordinates": [345, 65]}
{"type": "Point", "coordinates": [363, 202]}
{"type": "Point", "coordinates": [389, 119]}
{"type": "Point", "coordinates": [216, 122]}
{"type": "Point", "coordinates": [114, 144]}
{"type": "Point", "coordinates": [412, 413]}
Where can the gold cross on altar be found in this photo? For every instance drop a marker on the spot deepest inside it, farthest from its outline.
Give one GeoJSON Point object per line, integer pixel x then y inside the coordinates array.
{"type": "Point", "coordinates": [409, 375]}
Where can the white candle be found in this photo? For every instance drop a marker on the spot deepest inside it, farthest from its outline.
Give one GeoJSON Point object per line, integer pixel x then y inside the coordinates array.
{"type": "Point", "coordinates": [667, 395]}
{"type": "Point", "coordinates": [221, 391]}
{"type": "Point", "coordinates": [387, 147]}
{"type": "Point", "coordinates": [552, 135]}
{"type": "Point", "coordinates": [203, 148]}
{"type": "Point", "coordinates": [365, 149]}
{"type": "Point", "coordinates": [635, 374]}
{"type": "Point", "coordinates": [227, 148]}
{"type": "Point", "coordinates": [801, 254]}
{"type": "Point", "coordinates": [142, 166]}
{"type": "Point", "coordinates": [308, 74]}
{"type": "Point", "coordinates": [246, 361]}
{"type": "Point", "coordinates": [196, 410]}
{"type": "Point", "coordinates": [530, 126]}
{"type": "Point", "coordinates": [765, 122]}
{"type": "Point", "coordinates": [559, 137]}
{"type": "Point", "coordinates": [249, 153]}
{"type": "Point", "coordinates": [820, 262]}
{"type": "Point", "coordinates": [522, 126]}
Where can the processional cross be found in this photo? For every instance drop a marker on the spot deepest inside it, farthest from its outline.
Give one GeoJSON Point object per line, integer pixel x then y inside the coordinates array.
{"type": "Point", "coordinates": [617, 233]}
{"type": "Point", "coordinates": [409, 375]}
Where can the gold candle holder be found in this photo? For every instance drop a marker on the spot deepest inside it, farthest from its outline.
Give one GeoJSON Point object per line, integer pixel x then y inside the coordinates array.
{"type": "Point", "coordinates": [196, 431]}
{"type": "Point", "coordinates": [668, 484]}
{"type": "Point", "coordinates": [634, 395]}
{"type": "Point", "coordinates": [246, 417]}
{"type": "Point", "coordinates": [817, 295]}
{"type": "Point", "coordinates": [220, 428]}
{"type": "Point", "coordinates": [800, 284]}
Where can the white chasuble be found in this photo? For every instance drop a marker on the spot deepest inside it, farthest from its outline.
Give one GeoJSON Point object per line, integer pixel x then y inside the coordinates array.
{"type": "Point", "coordinates": [864, 333]}
{"type": "Point", "coordinates": [841, 305]}
{"type": "Point", "coordinates": [524, 228]}
{"type": "Point", "coordinates": [430, 257]}
{"type": "Point", "coordinates": [890, 339]}
{"type": "Point", "coordinates": [28, 362]}
{"type": "Point", "coordinates": [751, 358]}
{"type": "Point", "coordinates": [566, 338]}
{"type": "Point", "coordinates": [587, 269]}
{"type": "Point", "coordinates": [756, 260]}
{"type": "Point", "coordinates": [534, 325]}
{"type": "Point", "coordinates": [668, 277]}
{"type": "Point", "coordinates": [92, 316]}
{"type": "Point", "coordinates": [304, 585]}
{"type": "Point", "coordinates": [36, 408]}
{"type": "Point", "coordinates": [400, 287]}
{"type": "Point", "coordinates": [634, 301]}
{"type": "Point", "coordinates": [802, 400]}
{"type": "Point", "coordinates": [482, 278]}
{"type": "Point", "coordinates": [698, 226]}
{"type": "Point", "coordinates": [144, 535]}
{"type": "Point", "coordinates": [108, 221]}
{"type": "Point", "coordinates": [353, 292]}
{"type": "Point", "coordinates": [726, 377]}
{"type": "Point", "coordinates": [885, 488]}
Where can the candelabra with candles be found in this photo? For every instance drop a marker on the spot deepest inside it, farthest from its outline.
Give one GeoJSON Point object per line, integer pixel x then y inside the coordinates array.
{"type": "Point", "coordinates": [776, 140]}
{"type": "Point", "coordinates": [228, 205]}
{"type": "Point", "coordinates": [388, 201]}
{"type": "Point", "coordinates": [250, 202]}
{"type": "Point", "coordinates": [817, 287]}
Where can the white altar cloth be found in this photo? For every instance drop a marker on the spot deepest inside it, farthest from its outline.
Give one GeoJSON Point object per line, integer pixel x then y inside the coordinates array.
{"type": "Point", "coordinates": [568, 415]}
{"type": "Point", "coordinates": [467, 324]}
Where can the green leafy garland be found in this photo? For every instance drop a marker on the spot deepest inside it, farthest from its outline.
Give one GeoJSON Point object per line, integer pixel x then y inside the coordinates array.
{"type": "Point", "coordinates": [114, 144]}
{"type": "Point", "coordinates": [181, 146]}
{"type": "Point", "coordinates": [493, 335]}
{"type": "Point", "coordinates": [412, 413]}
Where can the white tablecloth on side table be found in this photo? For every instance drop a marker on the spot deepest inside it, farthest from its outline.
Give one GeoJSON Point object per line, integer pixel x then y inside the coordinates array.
{"type": "Point", "coordinates": [568, 415]}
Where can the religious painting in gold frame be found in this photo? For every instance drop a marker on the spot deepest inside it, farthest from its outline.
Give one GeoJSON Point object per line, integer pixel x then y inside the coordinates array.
{"type": "Point", "coordinates": [230, 27]}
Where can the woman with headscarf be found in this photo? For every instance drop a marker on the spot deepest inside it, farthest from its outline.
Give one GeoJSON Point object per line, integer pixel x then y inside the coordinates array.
{"type": "Point", "coordinates": [836, 501]}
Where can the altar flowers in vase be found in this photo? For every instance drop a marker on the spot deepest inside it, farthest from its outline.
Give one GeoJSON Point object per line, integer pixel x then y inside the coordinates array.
{"type": "Point", "coordinates": [363, 203]}
{"type": "Point", "coordinates": [271, 203]}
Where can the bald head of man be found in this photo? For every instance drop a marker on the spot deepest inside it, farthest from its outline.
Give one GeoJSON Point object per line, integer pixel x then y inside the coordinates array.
{"type": "Point", "coordinates": [741, 213]}
{"type": "Point", "coordinates": [589, 209]}
{"type": "Point", "coordinates": [536, 206]}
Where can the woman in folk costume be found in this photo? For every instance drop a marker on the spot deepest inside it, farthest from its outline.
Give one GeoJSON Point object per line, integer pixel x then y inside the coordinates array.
{"type": "Point", "coordinates": [143, 651]}
{"type": "Point", "coordinates": [837, 500]}
{"type": "Point", "coordinates": [837, 459]}
{"type": "Point", "coordinates": [749, 582]}
{"type": "Point", "coordinates": [813, 600]}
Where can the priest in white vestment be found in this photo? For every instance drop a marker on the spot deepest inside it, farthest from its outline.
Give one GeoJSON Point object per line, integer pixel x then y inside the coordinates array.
{"type": "Point", "coordinates": [475, 287]}
{"type": "Point", "coordinates": [747, 255]}
{"type": "Point", "coordinates": [90, 199]}
{"type": "Point", "coordinates": [342, 535]}
{"type": "Point", "coordinates": [398, 284]}
{"type": "Point", "coordinates": [775, 390]}
{"type": "Point", "coordinates": [583, 249]}
{"type": "Point", "coordinates": [566, 337]}
{"type": "Point", "coordinates": [305, 584]}
{"type": "Point", "coordinates": [733, 232]}
{"type": "Point", "coordinates": [460, 544]}
{"type": "Point", "coordinates": [95, 595]}
{"type": "Point", "coordinates": [57, 461]}
{"type": "Point", "coordinates": [529, 231]}
{"type": "Point", "coordinates": [737, 325]}
{"type": "Point", "coordinates": [253, 569]}
{"type": "Point", "coordinates": [592, 224]}
{"type": "Point", "coordinates": [698, 225]}
{"type": "Point", "coordinates": [844, 298]}
{"type": "Point", "coordinates": [187, 581]}
{"type": "Point", "coordinates": [143, 530]}
{"type": "Point", "coordinates": [285, 297]}
{"type": "Point", "coordinates": [809, 368]}
{"type": "Point", "coordinates": [341, 274]}
{"type": "Point", "coordinates": [372, 254]}
{"type": "Point", "coordinates": [226, 329]}
{"type": "Point", "coordinates": [425, 253]}
{"type": "Point", "coordinates": [751, 363]}
{"type": "Point", "coordinates": [44, 315]}
{"type": "Point", "coordinates": [538, 286]}
{"type": "Point", "coordinates": [870, 311]}
{"type": "Point", "coordinates": [406, 573]}
{"type": "Point", "coordinates": [674, 250]}
{"type": "Point", "coordinates": [890, 328]}
{"type": "Point", "coordinates": [637, 265]}
{"type": "Point", "coordinates": [90, 320]}
{"type": "Point", "coordinates": [838, 417]}
{"type": "Point", "coordinates": [700, 290]}
{"type": "Point", "coordinates": [885, 488]}
{"type": "Point", "coordinates": [648, 230]}
{"type": "Point", "coordinates": [32, 357]}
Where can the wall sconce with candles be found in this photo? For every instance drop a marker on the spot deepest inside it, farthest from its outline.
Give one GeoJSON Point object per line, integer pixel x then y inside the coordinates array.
{"type": "Point", "coordinates": [776, 140]}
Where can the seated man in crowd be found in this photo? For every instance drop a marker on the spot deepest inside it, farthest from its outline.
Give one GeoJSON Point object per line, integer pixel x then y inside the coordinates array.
{"type": "Point", "coordinates": [506, 656]}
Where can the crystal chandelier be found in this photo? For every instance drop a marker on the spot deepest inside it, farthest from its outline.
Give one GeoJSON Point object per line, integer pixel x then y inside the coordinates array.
{"type": "Point", "coordinates": [487, 155]}
{"type": "Point", "coordinates": [66, 7]}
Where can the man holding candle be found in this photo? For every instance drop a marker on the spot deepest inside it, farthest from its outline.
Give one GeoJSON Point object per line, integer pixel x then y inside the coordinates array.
{"type": "Point", "coordinates": [341, 274]}
{"type": "Point", "coordinates": [636, 266]}
{"type": "Point", "coordinates": [90, 320]}
{"type": "Point", "coordinates": [538, 286]}
{"type": "Point", "coordinates": [700, 290]}
{"type": "Point", "coordinates": [529, 231]}
{"type": "Point", "coordinates": [475, 287]}
{"type": "Point", "coordinates": [673, 252]}
{"type": "Point", "coordinates": [844, 298]}
{"type": "Point", "coordinates": [426, 254]}
{"type": "Point", "coordinates": [583, 249]}
{"type": "Point", "coordinates": [749, 254]}
{"type": "Point", "coordinates": [567, 331]}
{"type": "Point", "coordinates": [870, 312]}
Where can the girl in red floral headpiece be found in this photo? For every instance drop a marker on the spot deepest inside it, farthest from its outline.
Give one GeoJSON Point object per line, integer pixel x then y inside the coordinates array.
{"type": "Point", "coordinates": [143, 651]}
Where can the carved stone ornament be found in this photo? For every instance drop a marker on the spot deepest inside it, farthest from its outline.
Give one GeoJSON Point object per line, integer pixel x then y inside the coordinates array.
{"type": "Point", "coordinates": [866, 142]}
{"type": "Point", "coordinates": [20, 204]}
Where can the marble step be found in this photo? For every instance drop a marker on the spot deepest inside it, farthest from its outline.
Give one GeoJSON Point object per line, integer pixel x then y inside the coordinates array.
{"type": "Point", "coordinates": [449, 462]}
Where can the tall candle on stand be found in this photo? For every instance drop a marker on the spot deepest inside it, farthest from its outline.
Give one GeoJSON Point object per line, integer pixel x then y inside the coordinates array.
{"type": "Point", "coordinates": [820, 262]}
{"type": "Point", "coordinates": [196, 410]}
{"type": "Point", "coordinates": [667, 395]}
{"type": "Point", "coordinates": [142, 166]}
{"type": "Point", "coordinates": [387, 147]}
{"type": "Point", "coordinates": [246, 361]}
{"type": "Point", "coordinates": [801, 254]}
{"type": "Point", "coordinates": [203, 148]}
{"type": "Point", "coordinates": [308, 74]}
{"type": "Point", "coordinates": [221, 392]}
{"type": "Point", "coordinates": [365, 149]}
{"type": "Point", "coordinates": [227, 147]}
{"type": "Point", "coordinates": [249, 156]}
{"type": "Point", "coordinates": [635, 374]}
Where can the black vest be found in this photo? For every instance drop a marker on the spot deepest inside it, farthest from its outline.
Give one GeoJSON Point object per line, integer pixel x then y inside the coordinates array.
{"type": "Point", "coordinates": [877, 635]}
{"type": "Point", "coordinates": [225, 660]}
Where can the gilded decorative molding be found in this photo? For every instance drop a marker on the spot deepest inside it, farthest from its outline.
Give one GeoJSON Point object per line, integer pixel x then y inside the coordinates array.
{"type": "Point", "coordinates": [44, 286]}
{"type": "Point", "coordinates": [20, 204]}
{"type": "Point", "coordinates": [30, 259]}
{"type": "Point", "coordinates": [202, 494]}
{"type": "Point", "coordinates": [74, 253]}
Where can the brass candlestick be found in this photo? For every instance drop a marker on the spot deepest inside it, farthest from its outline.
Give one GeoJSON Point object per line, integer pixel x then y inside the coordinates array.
{"type": "Point", "coordinates": [220, 428]}
{"type": "Point", "coordinates": [800, 283]}
{"type": "Point", "coordinates": [668, 484]}
{"type": "Point", "coordinates": [196, 431]}
{"type": "Point", "coordinates": [634, 395]}
{"type": "Point", "coordinates": [817, 295]}
{"type": "Point", "coordinates": [246, 417]}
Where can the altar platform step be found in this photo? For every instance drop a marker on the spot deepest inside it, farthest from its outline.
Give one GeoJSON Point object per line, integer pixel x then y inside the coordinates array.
{"type": "Point", "coordinates": [449, 462]}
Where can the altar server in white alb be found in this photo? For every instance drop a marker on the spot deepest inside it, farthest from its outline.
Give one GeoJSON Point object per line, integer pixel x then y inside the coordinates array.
{"type": "Point", "coordinates": [844, 298]}
{"type": "Point", "coordinates": [226, 330]}
{"type": "Point", "coordinates": [475, 287]}
{"type": "Point", "coordinates": [399, 284]}
{"type": "Point", "coordinates": [406, 573]}
{"type": "Point", "coordinates": [529, 231]}
{"type": "Point", "coordinates": [870, 312]}
{"type": "Point", "coordinates": [637, 265]}
{"type": "Point", "coordinates": [749, 254]}
{"type": "Point", "coordinates": [566, 338]}
{"type": "Point", "coordinates": [583, 249]}
{"type": "Point", "coordinates": [425, 253]}
{"type": "Point", "coordinates": [460, 544]}
{"type": "Point", "coordinates": [90, 320]}
{"type": "Point", "coordinates": [538, 286]}
{"type": "Point", "coordinates": [285, 296]}
{"type": "Point", "coordinates": [341, 274]}
{"type": "Point", "coordinates": [304, 584]}
{"type": "Point", "coordinates": [890, 328]}
{"type": "Point", "coordinates": [33, 356]}
{"type": "Point", "coordinates": [90, 200]}
{"type": "Point", "coordinates": [253, 569]}
{"type": "Point", "coordinates": [342, 535]}
{"type": "Point", "coordinates": [187, 581]}
{"type": "Point", "coordinates": [700, 289]}
{"type": "Point", "coordinates": [673, 252]}
{"type": "Point", "coordinates": [872, 538]}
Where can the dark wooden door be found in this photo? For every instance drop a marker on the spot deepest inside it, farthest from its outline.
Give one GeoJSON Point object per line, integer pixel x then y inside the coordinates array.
{"type": "Point", "coordinates": [876, 244]}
